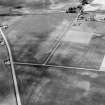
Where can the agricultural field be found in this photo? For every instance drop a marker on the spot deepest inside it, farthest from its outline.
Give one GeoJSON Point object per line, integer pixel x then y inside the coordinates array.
{"type": "Point", "coordinates": [34, 37]}
{"type": "Point", "coordinates": [58, 60]}
{"type": "Point", "coordinates": [57, 86]}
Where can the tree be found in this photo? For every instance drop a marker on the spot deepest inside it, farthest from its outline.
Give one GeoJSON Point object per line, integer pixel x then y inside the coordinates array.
{"type": "Point", "coordinates": [83, 2]}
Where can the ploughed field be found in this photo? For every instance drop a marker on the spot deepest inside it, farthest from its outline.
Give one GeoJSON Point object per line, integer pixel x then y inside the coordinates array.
{"type": "Point", "coordinates": [75, 52]}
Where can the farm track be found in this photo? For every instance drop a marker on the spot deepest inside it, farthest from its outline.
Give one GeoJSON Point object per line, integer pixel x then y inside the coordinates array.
{"type": "Point", "coordinates": [34, 13]}
{"type": "Point", "coordinates": [55, 66]}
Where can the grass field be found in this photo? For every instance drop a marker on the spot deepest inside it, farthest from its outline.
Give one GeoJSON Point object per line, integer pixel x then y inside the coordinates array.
{"type": "Point", "coordinates": [34, 42]}
{"type": "Point", "coordinates": [35, 4]}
